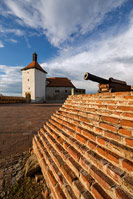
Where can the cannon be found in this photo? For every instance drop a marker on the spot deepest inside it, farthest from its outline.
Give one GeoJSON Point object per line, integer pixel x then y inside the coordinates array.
{"type": "Point", "coordinates": [108, 85]}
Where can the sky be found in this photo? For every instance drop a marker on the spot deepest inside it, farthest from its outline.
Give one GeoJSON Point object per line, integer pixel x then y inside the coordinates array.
{"type": "Point", "coordinates": [71, 37]}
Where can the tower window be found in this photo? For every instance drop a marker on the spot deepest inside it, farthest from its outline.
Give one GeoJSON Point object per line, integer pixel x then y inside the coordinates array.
{"type": "Point", "coordinates": [29, 88]}
{"type": "Point", "coordinates": [28, 79]}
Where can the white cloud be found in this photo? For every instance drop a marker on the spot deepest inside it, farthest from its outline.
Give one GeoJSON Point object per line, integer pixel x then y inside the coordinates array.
{"type": "Point", "coordinates": [15, 31]}
{"type": "Point", "coordinates": [10, 80]}
{"type": "Point", "coordinates": [60, 19]}
{"type": "Point", "coordinates": [1, 44]}
{"type": "Point", "coordinates": [110, 57]}
{"type": "Point", "coordinates": [13, 40]}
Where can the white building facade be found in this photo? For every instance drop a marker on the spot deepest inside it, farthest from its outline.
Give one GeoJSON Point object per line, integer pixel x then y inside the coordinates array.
{"type": "Point", "coordinates": [34, 81]}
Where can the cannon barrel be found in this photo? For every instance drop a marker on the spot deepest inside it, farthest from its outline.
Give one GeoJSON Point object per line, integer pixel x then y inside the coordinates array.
{"type": "Point", "coordinates": [95, 78]}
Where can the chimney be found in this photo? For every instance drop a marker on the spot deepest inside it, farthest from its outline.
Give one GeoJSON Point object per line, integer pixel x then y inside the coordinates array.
{"type": "Point", "coordinates": [35, 57]}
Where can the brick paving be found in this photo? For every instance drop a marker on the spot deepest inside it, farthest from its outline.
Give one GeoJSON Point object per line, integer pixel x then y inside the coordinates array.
{"type": "Point", "coordinates": [18, 124]}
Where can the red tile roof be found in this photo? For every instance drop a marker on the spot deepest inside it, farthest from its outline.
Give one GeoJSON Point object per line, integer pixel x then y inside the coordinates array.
{"type": "Point", "coordinates": [59, 82]}
{"type": "Point", "coordinates": [34, 64]}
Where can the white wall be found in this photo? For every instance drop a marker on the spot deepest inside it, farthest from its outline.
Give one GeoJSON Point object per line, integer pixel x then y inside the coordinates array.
{"type": "Point", "coordinates": [34, 82]}
{"type": "Point", "coordinates": [40, 85]}
{"type": "Point", "coordinates": [28, 82]}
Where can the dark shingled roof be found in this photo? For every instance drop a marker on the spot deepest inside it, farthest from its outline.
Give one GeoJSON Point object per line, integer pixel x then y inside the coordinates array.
{"type": "Point", "coordinates": [59, 82]}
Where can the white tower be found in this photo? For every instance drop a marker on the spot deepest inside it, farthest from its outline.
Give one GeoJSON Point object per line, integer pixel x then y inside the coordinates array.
{"type": "Point", "coordinates": [34, 81]}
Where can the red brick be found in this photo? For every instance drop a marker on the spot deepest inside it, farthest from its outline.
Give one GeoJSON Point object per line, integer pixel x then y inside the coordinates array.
{"type": "Point", "coordinates": [81, 138]}
{"type": "Point", "coordinates": [114, 136]}
{"type": "Point", "coordinates": [99, 193]}
{"type": "Point", "coordinates": [101, 140]}
{"type": "Point", "coordinates": [59, 177]}
{"type": "Point", "coordinates": [86, 179]}
{"type": "Point", "coordinates": [78, 129]}
{"type": "Point", "coordinates": [125, 108]}
{"type": "Point", "coordinates": [98, 130]}
{"type": "Point", "coordinates": [111, 107]}
{"type": "Point", "coordinates": [121, 194]}
{"type": "Point", "coordinates": [130, 115]}
{"type": "Point", "coordinates": [66, 145]}
{"type": "Point", "coordinates": [96, 159]}
{"type": "Point", "coordinates": [86, 195]}
{"type": "Point", "coordinates": [58, 160]}
{"type": "Point", "coordinates": [114, 172]}
{"type": "Point", "coordinates": [74, 166]}
{"type": "Point", "coordinates": [92, 145]}
{"type": "Point", "coordinates": [127, 181]}
{"type": "Point", "coordinates": [127, 165]}
{"type": "Point", "coordinates": [69, 192]}
{"type": "Point", "coordinates": [125, 132]}
{"type": "Point", "coordinates": [60, 193]}
{"type": "Point", "coordinates": [128, 123]}
{"type": "Point", "coordinates": [51, 178]}
{"type": "Point", "coordinates": [60, 140]}
{"type": "Point", "coordinates": [85, 164]}
{"type": "Point", "coordinates": [102, 179]}
{"type": "Point", "coordinates": [111, 120]}
{"type": "Point", "coordinates": [89, 135]}
{"type": "Point", "coordinates": [83, 119]}
{"type": "Point", "coordinates": [129, 142]}
{"type": "Point", "coordinates": [109, 155]}
{"type": "Point", "coordinates": [74, 153]}
{"type": "Point", "coordinates": [121, 94]}
{"type": "Point", "coordinates": [68, 174]}
{"type": "Point", "coordinates": [43, 165]}
{"type": "Point", "coordinates": [102, 106]}
{"type": "Point", "coordinates": [78, 188]}
{"type": "Point", "coordinates": [128, 97]}
{"type": "Point", "coordinates": [108, 127]}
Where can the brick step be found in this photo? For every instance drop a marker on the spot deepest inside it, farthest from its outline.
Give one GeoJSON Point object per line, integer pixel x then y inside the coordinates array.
{"type": "Point", "coordinates": [118, 96]}
{"type": "Point", "coordinates": [85, 149]}
{"type": "Point", "coordinates": [108, 126]}
{"type": "Point", "coordinates": [108, 168]}
{"type": "Point", "coordinates": [105, 126]}
{"type": "Point", "coordinates": [70, 179]}
{"type": "Point", "coordinates": [118, 102]}
{"type": "Point", "coordinates": [95, 139]}
{"type": "Point", "coordinates": [121, 112]}
{"type": "Point", "coordinates": [79, 171]}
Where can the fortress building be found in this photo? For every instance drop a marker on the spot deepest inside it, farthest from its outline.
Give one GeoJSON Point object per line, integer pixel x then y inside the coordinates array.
{"type": "Point", "coordinates": [34, 81]}
{"type": "Point", "coordinates": [38, 88]}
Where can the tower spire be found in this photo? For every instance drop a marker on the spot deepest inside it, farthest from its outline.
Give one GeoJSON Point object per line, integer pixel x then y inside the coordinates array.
{"type": "Point", "coordinates": [35, 57]}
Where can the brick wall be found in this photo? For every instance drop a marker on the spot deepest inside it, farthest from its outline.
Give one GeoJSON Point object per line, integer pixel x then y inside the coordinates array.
{"type": "Point", "coordinates": [11, 99]}
{"type": "Point", "coordinates": [86, 149]}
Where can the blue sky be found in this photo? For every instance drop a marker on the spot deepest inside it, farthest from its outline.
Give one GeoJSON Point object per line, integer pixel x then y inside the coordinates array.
{"type": "Point", "coordinates": [70, 37]}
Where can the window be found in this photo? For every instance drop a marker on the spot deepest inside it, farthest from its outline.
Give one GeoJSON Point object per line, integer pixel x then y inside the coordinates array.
{"type": "Point", "coordinates": [65, 91]}
{"type": "Point", "coordinates": [28, 80]}
{"type": "Point", "coordinates": [57, 91]}
{"type": "Point", "coordinates": [29, 88]}
{"type": "Point", "coordinates": [27, 72]}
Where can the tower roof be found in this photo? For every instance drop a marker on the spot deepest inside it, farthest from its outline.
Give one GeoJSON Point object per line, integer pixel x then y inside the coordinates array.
{"type": "Point", "coordinates": [34, 64]}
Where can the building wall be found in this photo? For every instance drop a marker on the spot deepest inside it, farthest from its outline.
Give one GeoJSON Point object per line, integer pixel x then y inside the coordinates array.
{"type": "Point", "coordinates": [40, 85]}
{"type": "Point", "coordinates": [34, 82]}
{"type": "Point", "coordinates": [28, 83]}
{"type": "Point", "coordinates": [57, 94]}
